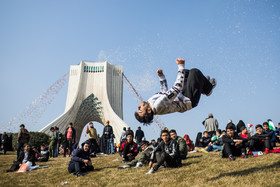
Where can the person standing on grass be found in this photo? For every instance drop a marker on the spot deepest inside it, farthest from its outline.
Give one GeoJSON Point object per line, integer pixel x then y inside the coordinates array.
{"type": "Point", "coordinates": [92, 138]}
{"type": "Point", "coordinates": [80, 162]}
{"type": "Point", "coordinates": [5, 141]}
{"type": "Point", "coordinates": [139, 135]}
{"type": "Point", "coordinates": [211, 125]}
{"type": "Point", "coordinates": [23, 138]}
{"type": "Point", "coordinates": [53, 142]}
{"type": "Point", "coordinates": [166, 152]}
{"type": "Point", "coordinates": [107, 133]}
{"type": "Point", "coordinates": [70, 136]}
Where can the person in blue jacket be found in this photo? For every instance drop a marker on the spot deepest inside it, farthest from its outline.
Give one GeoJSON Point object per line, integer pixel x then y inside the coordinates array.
{"type": "Point", "coordinates": [80, 162]}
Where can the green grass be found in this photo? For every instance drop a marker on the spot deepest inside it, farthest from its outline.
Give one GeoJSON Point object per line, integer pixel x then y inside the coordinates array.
{"type": "Point", "coordinates": [200, 169]}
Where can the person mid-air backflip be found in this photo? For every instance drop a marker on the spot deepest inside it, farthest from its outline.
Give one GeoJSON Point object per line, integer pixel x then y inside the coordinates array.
{"type": "Point", "coordinates": [183, 96]}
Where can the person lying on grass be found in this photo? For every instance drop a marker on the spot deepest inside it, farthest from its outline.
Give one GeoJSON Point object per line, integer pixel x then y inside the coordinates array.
{"type": "Point", "coordinates": [183, 96]}
{"type": "Point", "coordinates": [144, 156]}
{"type": "Point", "coordinates": [167, 153]}
{"type": "Point", "coordinates": [80, 162]}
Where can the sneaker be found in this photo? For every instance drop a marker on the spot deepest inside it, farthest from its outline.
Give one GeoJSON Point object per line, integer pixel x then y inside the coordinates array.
{"type": "Point", "coordinates": [244, 156]}
{"type": "Point", "coordinates": [161, 167]}
{"type": "Point", "coordinates": [124, 166]}
{"type": "Point", "coordinates": [138, 165]}
{"type": "Point", "coordinates": [266, 151]}
{"type": "Point", "coordinates": [151, 171]}
{"type": "Point", "coordinates": [214, 83]}
{"type": "Point", "coordinates": [231, 158]}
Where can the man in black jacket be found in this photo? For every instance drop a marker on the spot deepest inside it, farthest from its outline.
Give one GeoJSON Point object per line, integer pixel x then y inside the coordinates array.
{"type": "Point", "coordinates": [107, 133]}
{"type": "Point", "coordinates": [80, 161]}
{"type": "Point", "coordinates": [139, 135]}
{"type": "Point", "coordinates": [26, 155]}
{"type": "Point", "coordinates": [260, 141]}
{"type": "Point", "coordinates": [234, 145]}
{"type": "Point", "coordinates": [70, 136]}
{"type": "Point", "coordinates": [166, 152]}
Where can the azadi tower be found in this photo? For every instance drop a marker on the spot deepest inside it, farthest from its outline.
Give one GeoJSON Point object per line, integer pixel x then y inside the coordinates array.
{"type": "Point", "coordinates": [95, 93]}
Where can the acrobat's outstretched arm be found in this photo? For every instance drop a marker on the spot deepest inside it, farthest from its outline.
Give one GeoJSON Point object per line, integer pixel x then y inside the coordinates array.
{"type": "Point", "coordinates": [179, 83]}
{"type": "Point", "coordinates": [163, 82]}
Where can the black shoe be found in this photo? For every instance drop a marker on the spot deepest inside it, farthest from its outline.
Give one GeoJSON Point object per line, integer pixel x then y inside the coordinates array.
{"type": "Point", "coordinates": [80, 174]}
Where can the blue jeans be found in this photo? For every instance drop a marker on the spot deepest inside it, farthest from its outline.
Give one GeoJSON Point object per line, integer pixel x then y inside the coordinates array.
{"type": "Point", "coordinates": [214, 147]}
{"type": "Point", "coordinates": [111, 146]}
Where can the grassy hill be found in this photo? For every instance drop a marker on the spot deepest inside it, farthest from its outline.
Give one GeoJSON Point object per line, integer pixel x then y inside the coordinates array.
{"type": "Point", "coordinates": [199, 169]}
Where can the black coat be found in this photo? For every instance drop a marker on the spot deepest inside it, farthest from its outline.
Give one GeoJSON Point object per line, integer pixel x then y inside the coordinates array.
{"type": "Point", "coordinates": [239, 125]}
{"type": "Point", "coordinates": [73, 133]}
{"type": "Point", "coordinates": [30, 158]}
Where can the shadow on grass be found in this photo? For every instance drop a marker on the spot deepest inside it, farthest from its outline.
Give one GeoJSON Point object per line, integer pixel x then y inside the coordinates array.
{"type": "Point", "coordinates": [246, 171]}
{"type": "Point", "coordinates": [196, 156]}
{"type": "Point", "coordinates": [189, 163]}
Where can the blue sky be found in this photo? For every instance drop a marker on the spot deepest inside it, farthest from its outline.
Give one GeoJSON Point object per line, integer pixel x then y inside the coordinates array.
{"type": "Point", "coordinates": [237, 42]}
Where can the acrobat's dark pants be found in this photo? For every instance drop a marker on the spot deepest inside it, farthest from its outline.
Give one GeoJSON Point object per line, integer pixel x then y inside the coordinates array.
{"type": "Point", "coordinates": [78, 167]}
{"type": "Point", "coordinates": [195, 84]}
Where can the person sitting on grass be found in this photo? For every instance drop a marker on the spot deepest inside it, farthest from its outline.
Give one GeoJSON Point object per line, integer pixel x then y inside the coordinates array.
{"type": "Point", "coordinates": [80, 162]}
{"type": "Point", "coordinates": [271, 133]}
{"type": "Point", "coordinates": [203, 142]}
{"type": "Point", "coordinates": [128, 149]}
{"type": "Point", "coordinates": [167, 152]}
{"type": "Point", "coordinates": [44, 154]}
{"type": "Point", "coordinates": [189, 143]}
{"type": "Point", "coordinates": [216, 142]}
{"type": "Point", "coordinates": [36, 153]}
{"type": "Point", "coordinates": [234, 145]}
{"type": "Point", "coordinates": [25, 156]}
{"type": "Point", "coordinates": [144, 156]}
{"type": "Point", "coordinates": [184, 95]}
{"type": "Point", "coordinates": [278, 133]}
{"type": "Point", "coordinates": [260, 141]}
{"type": "Point", "coordinates": [182, 143]}
{"type": "Point", "coordinates": [244, 134]}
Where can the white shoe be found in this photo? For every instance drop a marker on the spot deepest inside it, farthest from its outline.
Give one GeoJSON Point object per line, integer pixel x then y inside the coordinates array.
{"type": "Point", "coordinates": [151, 171]}
{"type": "Point", "coordinates": [124, 166]}
{"type": "Point", "coordinates": [138, 165]}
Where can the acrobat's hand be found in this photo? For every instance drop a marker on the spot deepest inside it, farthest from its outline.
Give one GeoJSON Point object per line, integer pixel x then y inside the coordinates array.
{"type": "Point", "coordinates": [159, 72]}
{"type": "Point", "coordinates": [180, 61]}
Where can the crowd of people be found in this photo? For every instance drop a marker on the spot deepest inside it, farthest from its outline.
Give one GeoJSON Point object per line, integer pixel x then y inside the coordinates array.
{"type": "Point", "coordinates": [168, 151]}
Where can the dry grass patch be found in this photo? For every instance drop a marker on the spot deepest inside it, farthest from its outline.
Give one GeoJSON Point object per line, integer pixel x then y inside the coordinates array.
{"type": "Point", "coordinates": [199, 169]}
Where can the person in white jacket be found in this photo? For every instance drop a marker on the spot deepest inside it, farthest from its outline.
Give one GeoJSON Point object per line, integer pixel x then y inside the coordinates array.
{"type": "Point", "coordinates": [183, 96]}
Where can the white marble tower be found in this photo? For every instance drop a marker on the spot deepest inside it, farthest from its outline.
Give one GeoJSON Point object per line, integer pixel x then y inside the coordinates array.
{"type": "Point", "coordinates": [95, 93]}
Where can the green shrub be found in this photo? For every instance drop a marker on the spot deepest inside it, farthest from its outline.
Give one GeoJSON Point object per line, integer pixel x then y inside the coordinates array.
{"type": "Point", "coordinates": [36, 139]}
